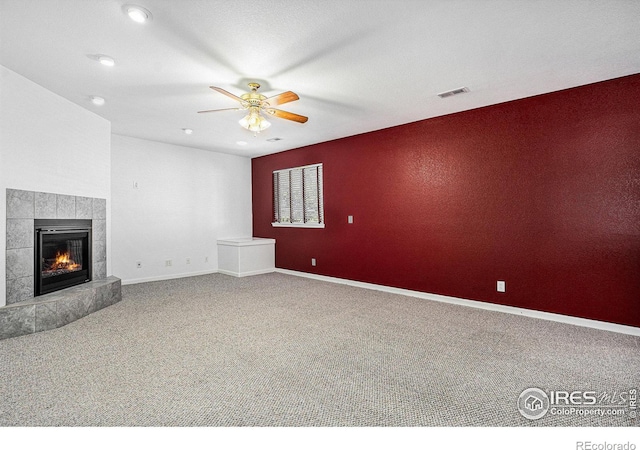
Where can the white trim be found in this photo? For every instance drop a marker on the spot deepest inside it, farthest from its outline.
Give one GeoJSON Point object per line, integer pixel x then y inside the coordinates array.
{"type": "Point", "coordinates": [246, 242]}
{"type": "Point", "coordinates": [246, 274]}
{"type": "Point", "coordinates": [588, 323]}
{"type": "Point", "coordinates": [297, 225]}
{"type": "Point", "coordinates": [299, 167]}
{"type": "Point", "coordinates": [167, 277]}
{"type": "Point", "coordinates": [290, 193]}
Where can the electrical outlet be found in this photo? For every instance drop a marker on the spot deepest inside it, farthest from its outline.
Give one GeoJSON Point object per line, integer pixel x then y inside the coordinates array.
{"type": "Point", "coordinates": [206, 259]}
{"type": "Point", "coordinates": [168, 263]}
{"type": "Point", "coordinates": [139, 264]}
{"type": "Point", "coordinates": [313, 261]}
{"type": "Point", "coordinates": [349, 219]}
{"type": "Point", "coordinates": [136, 185]}
{"type": "Point", "coordinates": [501, 286]}
{"type": "Point", "coordinates": [188, 260]}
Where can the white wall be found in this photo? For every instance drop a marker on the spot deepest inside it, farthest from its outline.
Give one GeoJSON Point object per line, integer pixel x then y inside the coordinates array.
{"type": "Point", "coordinates": [49, 144]}
{"type": "Point", "coordinates": [186, 199]}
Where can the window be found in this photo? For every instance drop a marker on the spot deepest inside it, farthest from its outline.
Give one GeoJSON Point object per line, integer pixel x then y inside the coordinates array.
{"type": "Point", "coordinates": [297, 197]}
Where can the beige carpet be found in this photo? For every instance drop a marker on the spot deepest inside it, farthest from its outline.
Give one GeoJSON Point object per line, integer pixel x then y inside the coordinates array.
{"type": "Point", "coordinates": [279, 350]}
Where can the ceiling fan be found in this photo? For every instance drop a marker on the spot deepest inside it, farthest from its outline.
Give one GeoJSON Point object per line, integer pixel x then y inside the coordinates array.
{"type": "Point", "coordinates": [255, 103]}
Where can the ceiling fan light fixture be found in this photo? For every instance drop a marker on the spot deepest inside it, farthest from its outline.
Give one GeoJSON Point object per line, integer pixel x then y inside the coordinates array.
{"type": "Point", "coordinates": [137, 13]}
{"type": "Point", "coordinates": [254, 121]}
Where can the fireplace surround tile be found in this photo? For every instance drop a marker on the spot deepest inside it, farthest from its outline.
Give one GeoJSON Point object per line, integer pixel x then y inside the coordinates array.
{"type": "Point", "coordinates": [99, 250]}
{"type": "Point", "coordinates": [46, 205]}
{"type": "Point", "coordinates": [65, 207]}
{"type": "Point", "coordinates": [17, 321]}
{"type": "Point", "coordinates": [46, 316]}
{"type": "Point", "coordinates": [90, 302]}
{"type": "Point", "coordinates": [103, 299]}
{"type": "Point", "coordinates": [19, 263]}
{"type": "Point", "coordinates": [19, 289]}
{"type": "Point", "coordinates": [99, 230]}
{"type": "Point", "coordinates": [99, 270]}
{"type": "Point", "coordinates": [99, 208]}
{"type": "Point", "coordinates": [20, 204]}
{"type": "Point", "coordinates": [115, 290]}
{"type": "Point", "coordinates": [84, 208]}
{"type": "Point", "coordinates": [70, 308]}
{"type": "Point", "coordinates": [19, 233]}
{"type": "Point", "coordinates": [86, 298]}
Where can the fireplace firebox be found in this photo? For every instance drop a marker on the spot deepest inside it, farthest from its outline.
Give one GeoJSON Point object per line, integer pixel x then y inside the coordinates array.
{"type": "Point", "coordinates": [62, 254]}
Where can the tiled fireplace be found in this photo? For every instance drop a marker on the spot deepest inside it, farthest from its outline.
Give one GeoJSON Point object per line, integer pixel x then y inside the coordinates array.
{"type": "Point", "coordinates": [27, 313]}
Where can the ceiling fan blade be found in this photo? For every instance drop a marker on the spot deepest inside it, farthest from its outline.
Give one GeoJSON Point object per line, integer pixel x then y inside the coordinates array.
{"type": "Point", "coordinates": [279, 99]}
{"type": "Point", "coordinates": [224, 109]}
{"type": "Point", "coordinates": [228, 94]}
{"type": "Point", "coordinates": [287, 115]}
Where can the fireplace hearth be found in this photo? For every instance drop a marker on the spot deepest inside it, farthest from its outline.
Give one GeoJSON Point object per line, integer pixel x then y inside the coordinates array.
{"type": "Point", "coordinates": [62, 254]}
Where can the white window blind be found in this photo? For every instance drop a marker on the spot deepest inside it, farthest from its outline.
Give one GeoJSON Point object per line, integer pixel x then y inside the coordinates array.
{"type": "Point", "coordinates": [297, 197]}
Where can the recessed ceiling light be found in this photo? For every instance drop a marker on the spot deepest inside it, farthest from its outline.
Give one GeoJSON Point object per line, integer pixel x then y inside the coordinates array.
{"type": "Point", "coordinates": [137, 13]}
{"type": "Point", "coordinates": [241, 142]}
{"type": "Point", "coordinates": [106, 60]}
{"type": "Point", "coordinates": [187, 130]}
{"type": "Point", "coordinates": [98, 101]}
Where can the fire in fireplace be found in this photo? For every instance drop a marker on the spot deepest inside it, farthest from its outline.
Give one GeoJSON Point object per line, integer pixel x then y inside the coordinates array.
{"type": "Point", "coordinates": [63, 254]}
{"type": "Point", "coordinates": [64, 261]}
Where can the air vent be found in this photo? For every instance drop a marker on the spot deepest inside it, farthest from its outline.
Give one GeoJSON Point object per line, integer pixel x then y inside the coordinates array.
{"type": "Point", "coordinates": [461, 90]}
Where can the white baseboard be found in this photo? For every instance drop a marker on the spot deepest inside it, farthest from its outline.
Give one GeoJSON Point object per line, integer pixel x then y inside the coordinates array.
{"type": "Point", "coordinates": [167, 277]}
{"type": "Point", "coordinates": [588, 323]}
{"type": "Point", "coordinates": [246, 274]}
{"type": "Point", "coordinates": [195, 274]}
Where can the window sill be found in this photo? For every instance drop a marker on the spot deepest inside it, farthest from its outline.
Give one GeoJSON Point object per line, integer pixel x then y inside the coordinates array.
{"type": "Point", "coordinates": [297, 225]}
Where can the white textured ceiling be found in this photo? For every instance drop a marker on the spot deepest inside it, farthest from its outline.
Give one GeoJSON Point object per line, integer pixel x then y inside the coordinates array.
{"type": "Point", "coordinates": [357, 65]}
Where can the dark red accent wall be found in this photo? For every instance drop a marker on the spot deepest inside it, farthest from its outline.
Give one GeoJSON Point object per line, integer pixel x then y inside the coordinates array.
{"type": "Point", "coordinates": [543, 193]}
